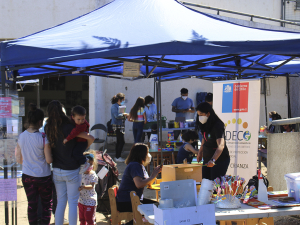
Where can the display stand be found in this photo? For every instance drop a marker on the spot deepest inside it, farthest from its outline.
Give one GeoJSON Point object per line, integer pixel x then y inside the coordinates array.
{"type": "Point", "coordinates": [11, 107]}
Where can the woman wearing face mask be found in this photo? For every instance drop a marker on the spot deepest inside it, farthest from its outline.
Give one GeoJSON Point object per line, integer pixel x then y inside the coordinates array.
{"type": "Point", "coordinates": [118, 123]}
{"type": "Point", "coordinates": [213, 148]}
{"type": "Point", "coordinates": [151, 111]}
{"type": "Point", "coordinates": [135, 177]}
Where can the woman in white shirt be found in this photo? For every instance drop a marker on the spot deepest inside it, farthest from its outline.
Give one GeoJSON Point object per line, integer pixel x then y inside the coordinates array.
{"type": "Point", "coordinates": [34, 152]}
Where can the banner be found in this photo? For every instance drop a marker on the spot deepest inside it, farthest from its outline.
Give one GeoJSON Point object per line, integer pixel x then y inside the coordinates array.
{"type": "Point", "coordinates": [237, 103]}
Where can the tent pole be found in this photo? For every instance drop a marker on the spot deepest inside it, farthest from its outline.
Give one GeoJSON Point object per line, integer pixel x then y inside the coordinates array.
{"type": "Point", "coordinates": [160, 121]}
{"type": "Point", "coordinates": [3, 80]}
{"type": "Point", "coordinates": [288, 94]}
{"type": "Point", "coordinates": [265, 92]}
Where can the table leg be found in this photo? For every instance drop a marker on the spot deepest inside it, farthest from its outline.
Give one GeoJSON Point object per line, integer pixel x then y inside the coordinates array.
{"type": "Point", "coordinates": [259, 161]}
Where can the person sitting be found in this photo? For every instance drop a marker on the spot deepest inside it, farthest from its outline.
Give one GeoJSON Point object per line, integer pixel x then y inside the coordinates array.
{"type": "Point", "coordinates": [209, 98]}
{"type": "Point", "coordinates": [135, 178]}
{"type": "Point", "coordinates": [288, 128]}
{"type": "Point", "coordinates": [186, 150]}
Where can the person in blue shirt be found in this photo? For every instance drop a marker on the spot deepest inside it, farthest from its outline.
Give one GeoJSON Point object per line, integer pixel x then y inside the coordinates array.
{"type": "Point", "coordinates": [183, 107]}
{"type": "Point", "coordinates": [135, 178]}
{"type": "Point", "coordinates": [151, 112]}
{"type": "Point", "coordinates": [150, 109]}
{"type": "Point", "coordinates": [186, 150]}
{"type": "Point", "coordinates": [118, 123]}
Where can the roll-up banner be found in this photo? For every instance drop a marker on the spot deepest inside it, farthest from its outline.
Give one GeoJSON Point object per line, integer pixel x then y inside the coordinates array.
{"type": "Point", "coordinates": [237, 103]}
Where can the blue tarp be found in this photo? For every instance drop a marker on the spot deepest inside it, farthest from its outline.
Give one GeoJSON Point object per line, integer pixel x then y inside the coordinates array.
{"type": "Point", "coordinates": [134, 29]}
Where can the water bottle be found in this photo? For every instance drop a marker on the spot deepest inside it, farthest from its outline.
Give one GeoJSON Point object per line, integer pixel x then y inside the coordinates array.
{"type": "Point", "coordinates": [262, 195]}
{"type": "Point", "coordinates": [153, 142]}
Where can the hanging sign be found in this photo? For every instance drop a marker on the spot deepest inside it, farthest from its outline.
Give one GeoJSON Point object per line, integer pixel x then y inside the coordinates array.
{"type": "Point", "coordinates": [5, 107]}
{"type": "Point", "coordinates": [237, 103]}
{"type": "Point", "coordinates": [131, 69]}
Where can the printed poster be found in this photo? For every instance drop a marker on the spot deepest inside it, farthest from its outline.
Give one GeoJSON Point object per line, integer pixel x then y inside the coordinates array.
{"type": "Point", "coordinates": [5, 107]}
{"type": "Point", "coordinates": [237, 103]}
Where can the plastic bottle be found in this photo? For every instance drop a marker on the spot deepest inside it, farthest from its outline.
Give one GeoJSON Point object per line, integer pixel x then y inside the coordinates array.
{"type": "Point", "coordinates": [262, 195]}
{"type": "Point", "coordinates": [153, 142]}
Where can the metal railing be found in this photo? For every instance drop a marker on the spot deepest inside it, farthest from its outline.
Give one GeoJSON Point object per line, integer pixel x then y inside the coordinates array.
{"type": "Point", "coordinates": [291, 121]}
{"type": "Point", "coordinates": [240, 13]}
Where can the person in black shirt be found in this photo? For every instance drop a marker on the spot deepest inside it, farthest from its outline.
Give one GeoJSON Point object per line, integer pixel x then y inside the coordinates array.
{"type": "Point", "coordinates": [213, 148]}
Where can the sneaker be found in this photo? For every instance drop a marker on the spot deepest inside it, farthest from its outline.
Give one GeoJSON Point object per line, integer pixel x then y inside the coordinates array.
{"type": "Point", "coordinates": [120, 159]}
{"type": "Point", "coordinates": [84, 167]}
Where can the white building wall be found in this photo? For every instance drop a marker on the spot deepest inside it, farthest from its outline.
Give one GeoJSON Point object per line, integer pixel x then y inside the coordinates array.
{"type": "Point", "coordinates": [23, 17]}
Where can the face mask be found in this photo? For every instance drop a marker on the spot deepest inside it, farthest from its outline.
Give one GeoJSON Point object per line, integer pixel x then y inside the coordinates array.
{"type": "Point", "coordinates": [149, 105]}
{"type": "Point", "coordinates": [184, 97]}
{"type": "Point", "coordinates": [123, 102]}
{"type": "Point", "coordinates": [90, 168]}
{"type": "Point", "coordinates": [270, 119]}
{"type": "Point", "coordinates": [148, 159]}
{"type": "Point", "coordinates": [203, 119]}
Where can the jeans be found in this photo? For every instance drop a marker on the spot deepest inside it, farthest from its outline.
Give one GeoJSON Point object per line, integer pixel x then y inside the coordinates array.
{"type": "Point", "coordinates": [137, 129]}
{"type": "Point", "coordinates": [66, 183]}
{"type": "Point", "coordinates": [120, 143]}
{"type": "Point", "coordinates": [35, 187]}
{"type": "Point", "coordinates": [218, 170]}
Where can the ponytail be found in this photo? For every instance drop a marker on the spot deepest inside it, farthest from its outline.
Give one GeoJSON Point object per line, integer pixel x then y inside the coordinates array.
{"type": "Point", "coordinates": [116, 98]}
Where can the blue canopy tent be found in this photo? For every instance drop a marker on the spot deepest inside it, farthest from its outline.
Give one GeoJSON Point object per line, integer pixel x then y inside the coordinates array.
{"type": "Point", "coordinates": [169, 40]}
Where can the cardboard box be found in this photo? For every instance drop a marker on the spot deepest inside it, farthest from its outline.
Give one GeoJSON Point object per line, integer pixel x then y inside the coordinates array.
{"type": "Point", "coordinates": [201, 214]}
{"type": "Point", "coordinates": [181, 172]}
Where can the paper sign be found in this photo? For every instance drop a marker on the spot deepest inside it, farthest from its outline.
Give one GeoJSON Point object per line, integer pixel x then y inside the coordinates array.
{"type": "Point", "coordinates": [15, 107]}
{"type": "Point", "coordinates": [131, 69]}
{"type": "Point", "coordinates": [5, 107]}
{"type": "Point", "coordinates": [8, 189]}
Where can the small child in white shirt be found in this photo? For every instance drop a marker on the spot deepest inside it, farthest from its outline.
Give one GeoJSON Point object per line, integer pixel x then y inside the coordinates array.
{"type": "Point", "coordinates": [87, 202]}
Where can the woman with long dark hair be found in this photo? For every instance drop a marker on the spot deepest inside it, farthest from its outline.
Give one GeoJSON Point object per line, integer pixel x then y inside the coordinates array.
{"type": "Point", "coordinates": [65, 167]}
{"type": "Point", "coordinates": [213, 148]}
{"type": "Point", "coordinates": [135, 177]}
{"type": "Point", "coordinates": [34, 152]}
{"type": "Point", "coordinates": [118, 123]}
{"type": "Point", "coordinates": [137, 115]}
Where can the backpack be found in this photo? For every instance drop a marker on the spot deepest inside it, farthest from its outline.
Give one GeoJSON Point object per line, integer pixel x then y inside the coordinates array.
{"type": "Point", "coordinates": [110, 130]}
{"type": "Point", "coordinates": [254, 181]}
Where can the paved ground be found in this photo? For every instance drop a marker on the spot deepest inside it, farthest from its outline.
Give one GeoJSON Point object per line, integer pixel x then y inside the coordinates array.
{"type": "Point", "coordinates": [101, 220]}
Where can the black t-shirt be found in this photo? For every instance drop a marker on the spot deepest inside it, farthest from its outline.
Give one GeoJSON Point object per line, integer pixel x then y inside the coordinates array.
{"type": "Point", "coordinates": [62, 154]}
{"type": "Point", "coordinates": [210, 144]}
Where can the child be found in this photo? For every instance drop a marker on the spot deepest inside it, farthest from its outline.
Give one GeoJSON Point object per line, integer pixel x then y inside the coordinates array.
{"type": "Point", "coordinates": [78, 114]}
{"type": "Point", "coordinates": [87, 202]}
{"type": "Point", "coordinates": [137, 115]}
{"type": "Point", "coordinates": [186, 150]}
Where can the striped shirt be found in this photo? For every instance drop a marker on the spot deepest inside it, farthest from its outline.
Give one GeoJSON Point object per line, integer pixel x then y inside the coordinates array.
{"type": "Point", "coordinates": [140, 115]}
{"type": "Point", "coordinates": [32, 149]}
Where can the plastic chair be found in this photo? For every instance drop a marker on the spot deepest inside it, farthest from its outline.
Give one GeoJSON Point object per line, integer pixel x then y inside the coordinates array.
{"type": "Point", "coordinates": [116, 216]}
{"type": "Point", "coordinates": [137, 216]}
{"type": "Point", "coordinates": [98, 140]}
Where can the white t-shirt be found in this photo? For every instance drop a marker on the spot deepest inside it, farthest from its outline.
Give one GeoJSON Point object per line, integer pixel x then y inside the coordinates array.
{"type": "Point", "coordinates": [88, 197]}
{"type": "Point", "coordinates": [32, 149]}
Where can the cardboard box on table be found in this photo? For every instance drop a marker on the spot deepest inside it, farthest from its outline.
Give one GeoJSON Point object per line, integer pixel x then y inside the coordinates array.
{"type": "Point", "coordinates": [181, 172]}
{"type": "Point", "coordinates": [183, 192]}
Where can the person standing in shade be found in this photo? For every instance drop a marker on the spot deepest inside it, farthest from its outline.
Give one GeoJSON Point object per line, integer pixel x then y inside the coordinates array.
{"type": "Point", "coordinates": [213, 148]}
{"type": "Point", "coordinates": [151, 111]}
{"type": "Point", "coordinates": [137, 115]}
{"type": "Point", "coordinates": [209, 98]}
{"type": "Point", "coordinates": [183, 107]}
{"type": "Point", "coordinates": [118, 123]}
